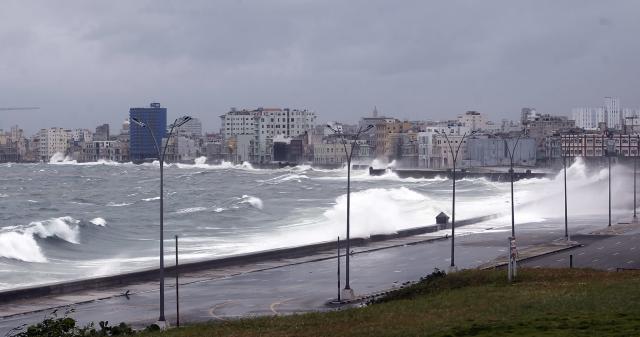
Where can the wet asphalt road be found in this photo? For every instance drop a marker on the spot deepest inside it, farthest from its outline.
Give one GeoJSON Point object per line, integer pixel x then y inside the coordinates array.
{"type": "Point", "coordinates": [302, 287]}
{"type": "Point", "coordinates": [599, 252]}
{"type": "Point", "coordinates": [308, 286]}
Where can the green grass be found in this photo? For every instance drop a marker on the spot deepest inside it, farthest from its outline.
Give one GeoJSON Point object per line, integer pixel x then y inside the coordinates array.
{"type": "Point", "coordinates": [544, 302]}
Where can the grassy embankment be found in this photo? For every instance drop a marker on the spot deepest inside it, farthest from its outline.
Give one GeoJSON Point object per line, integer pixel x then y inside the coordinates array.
{"type": "Point", "coordinates": [544, 302]}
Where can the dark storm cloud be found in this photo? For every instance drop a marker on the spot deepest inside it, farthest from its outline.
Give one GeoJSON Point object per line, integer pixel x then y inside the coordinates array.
{"type": "Point", "coordinates": [86, 63]}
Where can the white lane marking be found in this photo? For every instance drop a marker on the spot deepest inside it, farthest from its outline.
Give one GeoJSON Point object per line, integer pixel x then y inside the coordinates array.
{"type": "Point", "coordinates": [600, 248]}
{"type": "Point", "coordinates": [219, 305]}
{"type": "Point", "coordinates": [595, 260]}
{"type": "Point", "coordinates": [616, 253]}
{"type": "Point", "coordinates": [630, 262]}
{"type": "Point", "coordinates": [617, 243]}
{"type": "Point", "coordinates": [581, 254]}
{"type": "Point", "coordinates": [632, 248]}
{"type": "Point", "coordinates": [274, 305]}
{"type": "Point", "coordinates": [559, 260]}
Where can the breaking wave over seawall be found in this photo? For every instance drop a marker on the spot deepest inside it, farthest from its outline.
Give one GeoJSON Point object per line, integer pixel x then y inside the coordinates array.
{"type": "Point", "coordinates": [69, 220]}
{"type": "Point", "coordinates": [19, 242]}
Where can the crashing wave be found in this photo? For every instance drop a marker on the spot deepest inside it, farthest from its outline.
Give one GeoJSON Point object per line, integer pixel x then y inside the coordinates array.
{"type": "Point", "coordinates": [99, 222]}
{"type": "Point", "coordinates": [251, 200]}
{"type": "Point", "coordinates": [19, 242]}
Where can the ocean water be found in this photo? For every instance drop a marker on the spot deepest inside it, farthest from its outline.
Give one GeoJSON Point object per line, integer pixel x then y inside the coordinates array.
{"type": "Point", "coordinates": [63, 221]}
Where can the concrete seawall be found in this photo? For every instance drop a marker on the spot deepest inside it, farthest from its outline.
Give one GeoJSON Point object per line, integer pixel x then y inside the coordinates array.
{"type": "Point", "coordinates": [235, 260]}
{"type": "Point", "coordinates": [492, 176]}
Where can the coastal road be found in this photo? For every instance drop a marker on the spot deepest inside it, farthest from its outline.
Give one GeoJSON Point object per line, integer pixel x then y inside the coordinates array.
{"type": "Point", "coordinates": [294, 288]}
{"type": "Point", "coordinates": [308, 286]}
{"type": "Point", "coordinates": [607, 252]}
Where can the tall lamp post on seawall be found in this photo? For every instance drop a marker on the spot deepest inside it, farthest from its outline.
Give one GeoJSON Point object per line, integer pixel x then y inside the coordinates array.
{"type": "Point", "coordinates": [511, 152]}
{"type": "Point", "coordinates": [454, 155]}
{"type": "Point", "coordinates": [566, 152]}
{"type": "Point", "coordinates": [610, 152]}
{"type": "Point", "coordinates": [635, 162]}
{"type": "Point", "coordinates": [635, 175]}
{"type": "Point", "coordinates": [161, 155]}
{"type": "Point", "coordinates": [348, 292]}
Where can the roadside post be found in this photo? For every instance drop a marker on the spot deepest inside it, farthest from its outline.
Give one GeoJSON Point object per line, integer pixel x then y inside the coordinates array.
{"type": "Point", "coordinates": [513, 255]}
{"type": "Point", "coordinates": [339, 288]}
{"type": "Point", "coordinates": [177, 291]}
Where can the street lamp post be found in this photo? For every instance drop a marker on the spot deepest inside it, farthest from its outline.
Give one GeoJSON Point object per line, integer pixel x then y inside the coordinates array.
{"type": "Point", "coordinates": [161, 155]}
{"type": "Point", "coordinates": [511, 152]}
{"type": "Point", "coordinates": [635, 174]}
{"type": "Point", "coordinates": [348, 292]}
{"type": "Point", "coordinates": [454, 156]}
{"type": "Point", "coordinates": [563, 151]}
{"type": "Point", "coordinates": [610, 151]}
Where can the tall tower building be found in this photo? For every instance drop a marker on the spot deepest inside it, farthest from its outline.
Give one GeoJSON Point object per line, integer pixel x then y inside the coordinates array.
{"type": "Point", "coordinates": [142, 147]}
{"type": "Point", "coordinates": [612, 112]}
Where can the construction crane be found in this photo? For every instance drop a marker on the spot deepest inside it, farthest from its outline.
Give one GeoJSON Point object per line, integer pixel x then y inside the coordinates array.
{"type": "Point", "coordinates": [20, 108]}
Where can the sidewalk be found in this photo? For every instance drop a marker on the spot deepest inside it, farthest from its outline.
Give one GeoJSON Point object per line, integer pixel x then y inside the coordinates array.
{"type": "Point", "coordinates": [533, 251]}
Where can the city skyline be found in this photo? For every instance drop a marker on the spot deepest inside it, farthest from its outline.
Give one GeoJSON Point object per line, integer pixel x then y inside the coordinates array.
{"type": "Point", "coordinates": [87, 64]}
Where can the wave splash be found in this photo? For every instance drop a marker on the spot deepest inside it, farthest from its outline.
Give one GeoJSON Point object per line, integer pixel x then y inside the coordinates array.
{"type": "Point", "coordinates": [253, 201]}
{"type": "Point", "coordinates": [19, 242]}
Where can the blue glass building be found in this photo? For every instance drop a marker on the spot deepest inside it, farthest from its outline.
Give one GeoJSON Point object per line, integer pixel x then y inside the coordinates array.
{"type": "Point", "coordinates": [140, 140]}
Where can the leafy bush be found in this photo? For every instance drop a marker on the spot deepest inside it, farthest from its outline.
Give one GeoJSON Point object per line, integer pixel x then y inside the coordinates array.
{"type": "Point", "coordinates": [65, 326]}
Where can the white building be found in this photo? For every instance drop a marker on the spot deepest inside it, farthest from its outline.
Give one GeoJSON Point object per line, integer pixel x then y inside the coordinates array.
{"type": "Point", "coordinates": [433, 149]}
{"type": "Point", "coordinates": [332, 151]}
{"type": "Point", "coordinates": [586, 118]}
{"type": "Point", "coordinates": [265, 124]}
{"type": "Point", "coordinates": [192, 128]}
{"type": "Point", "coordinates": [236, 122]}
{"type": "Point", "coordinates": [610, 113]}
{"type": "Point", "coordinates": [81, 135]}
{"type": "Point", "coordinates": [52, 141]}
{"type": "Point", "coordinates": [473, 120]}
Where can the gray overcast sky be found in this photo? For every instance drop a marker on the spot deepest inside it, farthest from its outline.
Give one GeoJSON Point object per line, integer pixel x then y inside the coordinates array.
{"type": "Point", "coordinates": [87, 62]}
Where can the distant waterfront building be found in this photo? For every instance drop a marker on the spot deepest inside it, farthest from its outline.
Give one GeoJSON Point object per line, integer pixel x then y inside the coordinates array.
{"type": "Point", "coordinates": [109, 150]}
{"type": "Point", "coordinates": [472, 120]}
{"type": "Point", "coordinates": [332, 151]}
{"type": "Point", "coordinates": [102, 132]}
{"type": "Point", "coordinates": [494, 151]}
{"type": "Point", "coordinates": [611, 114]}
{"type": "Point", "coordinates": [544, 126]}
{"type": "Point", "coordinates": [263, 125]}
{"type": "Point", "coordinates": [81, 135]}
{"type": "Point", "coordinates": [594, 144]}
{"type": "Point", "coordinates": [192, 128]}
{"type": "Point", "coordinates": [141, 143]}
{"type": "Point", "coordinates": [527, 115]}
{"type": "Point", "coordinates": [586, 118]}
{"type": "Point", "coordinates": [52, 141]}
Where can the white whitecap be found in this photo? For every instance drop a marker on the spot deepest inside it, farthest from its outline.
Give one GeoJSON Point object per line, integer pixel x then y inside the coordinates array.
{"type": "Point", "coordinates": [99, 222]}
{"type": "Point", "coordinates": [253, 201]}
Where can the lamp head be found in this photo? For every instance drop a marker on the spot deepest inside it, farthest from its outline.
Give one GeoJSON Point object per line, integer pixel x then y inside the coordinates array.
{"type": "Point", "coordinates": [138, 122]}
{"type": "Point", "coordinates": [182, 120]}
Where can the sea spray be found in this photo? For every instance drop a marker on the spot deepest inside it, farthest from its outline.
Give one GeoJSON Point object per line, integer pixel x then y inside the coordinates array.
{"type": "Point", "coordinates": [18, 242]}
{"type": "Point", "coordinates": [253, 201]}
{"type": "Point", "coordinates": [99, 222]}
